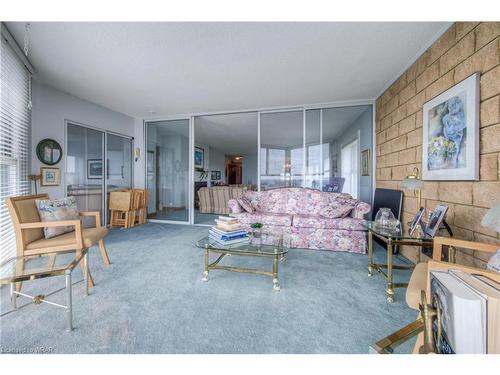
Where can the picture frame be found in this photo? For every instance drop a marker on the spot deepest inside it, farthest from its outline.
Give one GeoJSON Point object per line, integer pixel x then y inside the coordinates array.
{"type": "Point", "coordinates": [450, 141]}
{"type": "Point", "coordinates": [49, 151]}
{"type": "Point", "coordinates": [94, 169]}
{"type": "Point", "coordinates": [215, 175]}
{"type": "Point", "coordinates": [417, 220]}
{"type": "Point", "coordinates": [365, 162]}
{"type": "Point", "coordinates": [199, 157]}
{"type": "Point", "coordinates": [435, 220]}
{"type": "Point", "coordinates": [50, 176]}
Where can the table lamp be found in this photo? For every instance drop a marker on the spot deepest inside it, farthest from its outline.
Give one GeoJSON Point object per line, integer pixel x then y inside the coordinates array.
{"type": "Point", "coordinates": [413, 182]}
{"type": "Point", "coordinates": [492, 218]}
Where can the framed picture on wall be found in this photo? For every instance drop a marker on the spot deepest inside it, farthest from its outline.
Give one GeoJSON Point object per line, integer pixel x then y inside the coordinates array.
{"type": "Point", "coordinates": [450, 143]}
{"type": "Point", "coordinates": [50, 176]}
{"type": "Point", "coordinates": [199, 157]}
{"type": "Point", "coordinates": [365, 162]}
{"type": "Point", "coordinates": [94, 169]}
{"type": "Point", "coordinates": [215, 175]}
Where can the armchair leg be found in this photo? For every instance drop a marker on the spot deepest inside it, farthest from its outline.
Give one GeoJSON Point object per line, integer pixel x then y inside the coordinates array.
{"type": "Point", "coordinates": [104, 253]}
{"type": "Point", "coordinates": [90, 280]}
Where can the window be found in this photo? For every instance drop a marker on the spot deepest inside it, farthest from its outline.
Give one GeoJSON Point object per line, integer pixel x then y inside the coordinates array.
{"type": "Point", "coordinates": [349, 162]}
{"type": "Point", "coordinates": [15, 124]}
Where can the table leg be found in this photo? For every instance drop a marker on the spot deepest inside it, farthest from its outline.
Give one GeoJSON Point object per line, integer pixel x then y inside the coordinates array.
{"type": "Point", "coordinates": [389, 290]}
{"type": "Point", "coordinates": [86, 266]}
{"type": "Point", "coordinates": [13, 295]}
{"type": "Point", "coordinates": [276, 283]}
{"type": "Point", "coordinates": [69, 303]}
{"type": "Point", "coordinates": [205, 274]}
{"type": "Point", "coordinates": [370, 253]}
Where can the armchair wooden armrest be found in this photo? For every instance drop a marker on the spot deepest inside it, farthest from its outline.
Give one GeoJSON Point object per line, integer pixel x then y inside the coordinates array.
{"type": "Point", "coordinates": [439, 242]}
{"type": "Point", "coordinates": [77, 224]}
{"type": "Point", "coordinates": [97, 215]}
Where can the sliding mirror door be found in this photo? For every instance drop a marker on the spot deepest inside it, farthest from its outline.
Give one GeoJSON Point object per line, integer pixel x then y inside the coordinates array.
{"type": "Point", "coordinates": [84, 168]}
{"type": "Point", "coordinates": [167, 170]}
{"type": "Point", "coordinates": [281, 149]}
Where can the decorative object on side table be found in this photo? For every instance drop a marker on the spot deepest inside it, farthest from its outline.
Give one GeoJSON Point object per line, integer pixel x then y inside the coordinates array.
{"type": "Point", "coordinates": [50, 176]}
{"type": "Point", "coordinates": [417, 223]}
{"type": "Point", "coordinates": [385, 219]}
{"type": "Point", "coordinates": [450, 143]}
{"type": "Point", "coordinates": [48, 151]}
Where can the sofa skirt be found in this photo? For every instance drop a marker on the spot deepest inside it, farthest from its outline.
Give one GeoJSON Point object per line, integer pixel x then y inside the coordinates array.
{"type": "Point", "coordinates": [314, 238]}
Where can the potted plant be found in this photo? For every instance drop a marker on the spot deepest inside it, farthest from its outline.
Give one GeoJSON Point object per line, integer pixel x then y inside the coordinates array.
{"type": "Point", "coordinates": [257, 231]}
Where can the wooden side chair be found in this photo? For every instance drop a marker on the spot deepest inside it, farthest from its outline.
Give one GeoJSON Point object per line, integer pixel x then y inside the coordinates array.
{"type": "Point", "coordinates": [30, 239]}
{"type": "Point", "coordinates": [420, 280]}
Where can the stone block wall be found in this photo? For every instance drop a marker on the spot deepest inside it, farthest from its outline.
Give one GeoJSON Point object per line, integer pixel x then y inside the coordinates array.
{"type": "Point", "coordinates": [465, 48]}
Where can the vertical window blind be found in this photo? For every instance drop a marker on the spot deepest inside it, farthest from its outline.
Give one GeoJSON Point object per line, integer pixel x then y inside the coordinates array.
{"type": "Point", "coordinates": [15, 126]}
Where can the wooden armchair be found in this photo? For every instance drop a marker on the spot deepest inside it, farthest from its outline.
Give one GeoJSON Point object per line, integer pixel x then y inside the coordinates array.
{"type": "Point", "coordinates": [420, 281]}
{"type": "Point", "coordinates": [30, 239]}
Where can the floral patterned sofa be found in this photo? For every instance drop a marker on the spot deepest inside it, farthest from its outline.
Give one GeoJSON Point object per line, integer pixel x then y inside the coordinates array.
{"type": "Point", "coordinates": [306, 218]}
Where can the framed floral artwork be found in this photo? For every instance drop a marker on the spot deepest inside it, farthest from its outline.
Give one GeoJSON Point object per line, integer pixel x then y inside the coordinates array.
{"type": "Point", "coordinates": [450, 143]}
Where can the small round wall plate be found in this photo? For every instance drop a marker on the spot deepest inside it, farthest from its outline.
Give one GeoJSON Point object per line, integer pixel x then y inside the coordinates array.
{"type": "Point", "coordinates": [48, 151]}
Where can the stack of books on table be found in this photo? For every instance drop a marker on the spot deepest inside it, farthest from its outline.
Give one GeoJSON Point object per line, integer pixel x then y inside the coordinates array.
{"type": "Point", "coordinates": [470, 310]}
{"type": "Point", "coordinates": [228, 231]}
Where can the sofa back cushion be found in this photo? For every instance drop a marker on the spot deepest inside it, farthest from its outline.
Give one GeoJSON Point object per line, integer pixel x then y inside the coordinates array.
{"type": "Point", "coordinates": [301, 201]}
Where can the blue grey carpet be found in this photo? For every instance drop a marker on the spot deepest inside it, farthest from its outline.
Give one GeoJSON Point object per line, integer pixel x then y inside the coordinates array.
{"type": "Point", "coordinates": [152, 300]}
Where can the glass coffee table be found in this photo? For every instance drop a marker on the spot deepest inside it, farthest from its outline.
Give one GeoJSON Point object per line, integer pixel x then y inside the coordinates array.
{"type": "Point", "coordinates": [31, 267]}
{"type": "Point", "coordinates": [275, 252]}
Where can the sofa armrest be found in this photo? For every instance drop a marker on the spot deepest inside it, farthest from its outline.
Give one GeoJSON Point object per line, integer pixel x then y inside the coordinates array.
{"type": "Point", "coordinates": [234, 206]}
{"type": "Point", "coordinates": [360, 210]}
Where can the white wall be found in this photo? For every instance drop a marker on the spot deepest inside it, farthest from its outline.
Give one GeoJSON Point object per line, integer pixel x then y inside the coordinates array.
{"type": "Point", "coordinates": [217, 163]}
{"type": "Point", "coordinates": [51, 108]}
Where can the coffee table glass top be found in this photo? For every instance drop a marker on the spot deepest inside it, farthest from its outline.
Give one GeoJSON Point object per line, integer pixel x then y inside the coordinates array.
{"type": "Point", "coordinates": [206, 242]}
{"type": "Point", "coordinates": [31, 267]}
{"type": "Point", "coordinates": [395, 234]}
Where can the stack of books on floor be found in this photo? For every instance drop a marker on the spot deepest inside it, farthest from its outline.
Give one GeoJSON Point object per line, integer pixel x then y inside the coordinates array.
{"type": "Point", "coordinates": [228, 231]}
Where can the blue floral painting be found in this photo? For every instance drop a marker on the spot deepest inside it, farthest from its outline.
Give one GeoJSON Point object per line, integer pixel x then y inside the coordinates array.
{"type": "Point", "coordinates": [447, 134]}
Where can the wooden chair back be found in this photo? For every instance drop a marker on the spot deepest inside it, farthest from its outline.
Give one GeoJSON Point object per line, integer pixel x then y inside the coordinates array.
{"type": "Point", "coordinates": [23, 210]}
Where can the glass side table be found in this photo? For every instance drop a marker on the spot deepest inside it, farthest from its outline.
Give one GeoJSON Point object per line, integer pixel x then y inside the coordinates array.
{"type": "Point", "coordinates": [391, 238]}
{"type": "Point", "coordinates": [31, 267]}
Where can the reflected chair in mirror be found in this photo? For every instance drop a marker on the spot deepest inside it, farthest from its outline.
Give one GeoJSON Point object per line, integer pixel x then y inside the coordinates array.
{"type": "Point", "coordinates": [30, 238]}
{"type": "Point", "coordinates": [392, 199]}
{"type": "Point", "coordinates": [335, 185]}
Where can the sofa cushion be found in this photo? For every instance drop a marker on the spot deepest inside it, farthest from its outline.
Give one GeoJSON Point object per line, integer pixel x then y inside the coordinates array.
{"type": "Point", "coordinates": [90, 237]}
{"type": "Point", "coordinates": [309, 221]}
{"type": "Point", "coordinates": [57, 210]}
{"type": "Point", "coordinates": [246, 205]}
{"type": "Point", "coordinates": [266, 219]}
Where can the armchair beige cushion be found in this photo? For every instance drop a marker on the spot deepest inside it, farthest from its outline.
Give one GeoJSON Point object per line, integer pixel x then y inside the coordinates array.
{"type": "Point", "coordinates": [90, 237]}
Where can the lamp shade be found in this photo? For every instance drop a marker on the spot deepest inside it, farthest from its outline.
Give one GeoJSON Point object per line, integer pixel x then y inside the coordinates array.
{"type": "Point", "coordinates": [412, 183]}
{"type": "Point", "coordinates": [492, 218]}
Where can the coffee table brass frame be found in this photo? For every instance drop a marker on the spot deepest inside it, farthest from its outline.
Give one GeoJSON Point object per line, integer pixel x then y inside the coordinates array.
{"type": "Point", "coordinates": [279, 255]}
{"type": "Point", "coordinates": [391, 242]}
{"type": "Point", "coordinates": [65, 271]}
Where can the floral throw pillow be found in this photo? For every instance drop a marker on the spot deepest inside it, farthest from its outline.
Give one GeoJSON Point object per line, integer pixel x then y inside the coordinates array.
{"type": "Point", "coordinates": [56, 210]}
{"type": "Point", "coordinates": [246, 204]}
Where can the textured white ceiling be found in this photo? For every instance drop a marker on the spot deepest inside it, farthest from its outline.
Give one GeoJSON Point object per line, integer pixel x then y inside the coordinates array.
{"type": "Point", "coordinates": [177, 68]}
